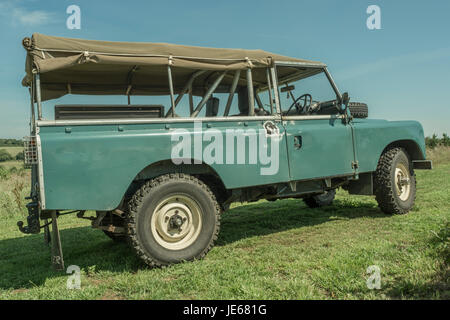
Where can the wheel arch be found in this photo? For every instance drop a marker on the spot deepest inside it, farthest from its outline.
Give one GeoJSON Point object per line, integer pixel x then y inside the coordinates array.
{"type": "Point", "coordinates": [411, 147]}
{"type": "Point", "coordinates": [199, 169]}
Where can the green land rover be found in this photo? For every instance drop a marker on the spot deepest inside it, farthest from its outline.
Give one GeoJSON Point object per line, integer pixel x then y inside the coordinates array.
{"type": "Point", "coordinates": [210, 127]}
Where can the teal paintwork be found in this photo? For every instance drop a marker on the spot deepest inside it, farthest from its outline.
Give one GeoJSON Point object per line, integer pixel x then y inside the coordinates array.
{"type": "Point", "coordinates": [372, 137]}
{"type": "Point", "coordinates": [90, 167]}
{"type": "Point", "coordinates": [326, 148]}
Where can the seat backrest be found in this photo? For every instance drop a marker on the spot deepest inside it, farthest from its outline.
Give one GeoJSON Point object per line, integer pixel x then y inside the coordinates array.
{"type": "Point", "coordinates": [212, 107]}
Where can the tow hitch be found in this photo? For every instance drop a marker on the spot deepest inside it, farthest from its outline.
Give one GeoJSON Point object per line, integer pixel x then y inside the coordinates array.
{"type": "Point", "coordinates": [32, 219]}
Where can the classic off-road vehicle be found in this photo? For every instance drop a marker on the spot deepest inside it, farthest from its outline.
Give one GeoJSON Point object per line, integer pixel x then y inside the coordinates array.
{"type": "Point", "coordinates": [212, 127]}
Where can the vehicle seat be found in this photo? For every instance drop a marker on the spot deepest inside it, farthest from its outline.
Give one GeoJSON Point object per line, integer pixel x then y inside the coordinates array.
{"type": "Point", "coordinates": [212, 107]}
{"type": "Point", "coordinates": [242, 102]}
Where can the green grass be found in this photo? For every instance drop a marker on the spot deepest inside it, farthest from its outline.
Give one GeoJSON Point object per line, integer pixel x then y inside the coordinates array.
{"type": "Point", "coordinates": [266, 250]}
{"type": "Point", "coordinates": [13, 150]}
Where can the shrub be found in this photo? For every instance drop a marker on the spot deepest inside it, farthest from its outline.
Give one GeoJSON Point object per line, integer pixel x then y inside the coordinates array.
{"type": "Point", "coordinates": [20, 156]}
{"type": "Point", "coordinates": [5, 156]}
{"type": "Point", "coordinates": [3, 173]}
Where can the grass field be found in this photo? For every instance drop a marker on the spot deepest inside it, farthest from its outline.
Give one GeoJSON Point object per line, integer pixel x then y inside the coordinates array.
{"type": "Point", "coordinates": [266, 250]}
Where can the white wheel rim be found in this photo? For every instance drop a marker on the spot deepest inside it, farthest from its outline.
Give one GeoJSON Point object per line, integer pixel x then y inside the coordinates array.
{"type": "Point", "coordinates": [176, 222]}
{"type": "Point", "coordinates": [402, 182]}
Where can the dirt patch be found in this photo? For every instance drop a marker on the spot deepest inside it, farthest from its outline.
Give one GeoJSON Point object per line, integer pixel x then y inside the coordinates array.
{"type": "Point", "coordinates": [109, 295]}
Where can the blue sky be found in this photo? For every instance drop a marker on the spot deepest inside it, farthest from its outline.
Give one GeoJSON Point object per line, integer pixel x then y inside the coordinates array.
{"type": "Point", "coordinates": [402, 71]}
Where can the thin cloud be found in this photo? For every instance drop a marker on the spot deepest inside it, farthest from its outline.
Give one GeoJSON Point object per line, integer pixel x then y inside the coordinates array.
{"type": "Point", "coordinates": [392, 62]}
{"type": "Point", "coordinates": [32, 18]}
{"type": "Point", "coordinates": [19, 16]}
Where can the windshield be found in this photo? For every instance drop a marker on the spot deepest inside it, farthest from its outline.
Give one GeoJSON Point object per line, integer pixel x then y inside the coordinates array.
{"type": "Point", "coordinates": [311, 95]}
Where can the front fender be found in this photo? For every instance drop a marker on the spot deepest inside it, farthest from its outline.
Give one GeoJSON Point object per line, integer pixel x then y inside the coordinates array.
{"type": "Point", "coordinates": [372, 137]}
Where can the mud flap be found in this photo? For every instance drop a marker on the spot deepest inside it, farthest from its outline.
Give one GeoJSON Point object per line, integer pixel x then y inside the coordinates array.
{"type": "Point", "coordinates": [57, 254]}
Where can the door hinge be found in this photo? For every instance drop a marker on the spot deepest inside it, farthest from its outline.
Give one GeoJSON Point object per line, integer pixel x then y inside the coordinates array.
{"type": "Point", "coordinates": [355, 165]}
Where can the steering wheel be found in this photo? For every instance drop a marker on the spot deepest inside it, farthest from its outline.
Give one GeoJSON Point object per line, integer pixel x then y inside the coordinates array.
{"type": "Point", "coordinates": [307, 100]}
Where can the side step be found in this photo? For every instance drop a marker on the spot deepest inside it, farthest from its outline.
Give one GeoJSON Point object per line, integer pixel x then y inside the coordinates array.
{"type": "Point", "coordinates": [422, 164]}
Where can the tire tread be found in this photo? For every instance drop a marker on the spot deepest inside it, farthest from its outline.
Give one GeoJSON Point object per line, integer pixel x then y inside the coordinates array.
{"type": "Point", "coordinates": [136, 202]}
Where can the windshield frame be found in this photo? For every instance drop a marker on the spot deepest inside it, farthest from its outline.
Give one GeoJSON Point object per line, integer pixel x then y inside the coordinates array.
{"type": "Point", "coordinates": [323, 69]}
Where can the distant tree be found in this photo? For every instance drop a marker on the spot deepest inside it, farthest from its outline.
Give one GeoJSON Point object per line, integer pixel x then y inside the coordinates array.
{"type": "Point", "coordinates": [432, 142]}
{"type": "Point", "coordinates": [445, 141]}
{"type": "Point", "coordinates": [10, 142]}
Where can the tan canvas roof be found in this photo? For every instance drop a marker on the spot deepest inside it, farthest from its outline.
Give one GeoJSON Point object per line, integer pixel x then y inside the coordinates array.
{"type": "Point", "coordinates": [104, 67]}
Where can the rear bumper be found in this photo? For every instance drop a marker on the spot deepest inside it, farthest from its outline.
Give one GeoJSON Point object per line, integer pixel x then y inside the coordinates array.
{"type": "Point", "coordinates": [422, 164]}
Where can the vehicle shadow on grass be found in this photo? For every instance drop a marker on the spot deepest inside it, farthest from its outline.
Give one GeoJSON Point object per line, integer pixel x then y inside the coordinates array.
{"type": "Point", "coordinates": [25, 261]}
{"type": "Point", "coordinates": [265, 218]}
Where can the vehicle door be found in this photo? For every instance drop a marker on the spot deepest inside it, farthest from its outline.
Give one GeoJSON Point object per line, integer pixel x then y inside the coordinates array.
{"type": "Point", "coordinates": [319, 140]}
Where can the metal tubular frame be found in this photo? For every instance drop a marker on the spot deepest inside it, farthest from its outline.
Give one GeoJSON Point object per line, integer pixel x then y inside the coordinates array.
{"type": "Point", "coordinates": [172, 98]}
{"type": "Point", "coordinates": [208, 95]}
{"type": "Point", "coordinates": [333, 84]}
{"type": "Point", "coordinates": [270, 90]}
{"type": "Point", "coordinates": [38, 95]}
{"type": "Point", "coordinates": [258, 100]}
{"type": "Point", "coordinates": [33, 115]}
{"type": "Point", "coordinates": [129, 79]}
{"type": "Point", "coordinates": [191, 101]}
{"type": "Point", "coordinates": [234, 84]}
{"type": "Point", "coordinates": [187, 87]}
{"type": "Point", "coordinates": [275, 89]}
{"type": "Point", "coordinates": [251, 97]}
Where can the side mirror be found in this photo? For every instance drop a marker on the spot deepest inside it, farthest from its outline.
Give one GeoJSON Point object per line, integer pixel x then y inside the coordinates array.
{"type": "Point", "coordinates": [287, 88]}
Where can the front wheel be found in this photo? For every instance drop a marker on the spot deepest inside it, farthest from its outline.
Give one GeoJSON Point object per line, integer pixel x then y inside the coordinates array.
{"type": "Point", "coordinates": [173, 218]}
{"type": "Point", "coordinates": [394, 182]}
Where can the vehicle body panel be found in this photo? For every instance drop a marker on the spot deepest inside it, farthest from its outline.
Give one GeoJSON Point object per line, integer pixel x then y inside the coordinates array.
{"type": "Point", "coordinates": [91, 166]}
{"type": "Point", "coordinates": [319, 148]}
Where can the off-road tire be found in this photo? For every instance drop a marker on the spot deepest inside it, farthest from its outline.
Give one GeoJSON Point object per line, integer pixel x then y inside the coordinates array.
{"type": "Point", "coordinates": [358, 109]}
{"type": "Point", "coordinates": [385, 190]}
{"type": "Point", "coordinates": [117, 237]}
{"type": "Point", "coordinates": [320, 200]}
{"type": "Point", "coordinates": [142, 207]}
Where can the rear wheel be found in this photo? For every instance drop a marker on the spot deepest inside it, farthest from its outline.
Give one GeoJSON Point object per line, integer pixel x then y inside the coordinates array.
{"type": "Point", "coordinates": [172, 218]}
{"type": "Point", "coordinates": [394, 182]}
{"type": "Point", "coordinates": [320, 200]}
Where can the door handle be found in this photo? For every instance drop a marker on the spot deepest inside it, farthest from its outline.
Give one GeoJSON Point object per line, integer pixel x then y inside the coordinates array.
{"type": "Point", "coordinates": [271, 128]}
{"type": "Point", "coordinates": [298, 142]}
